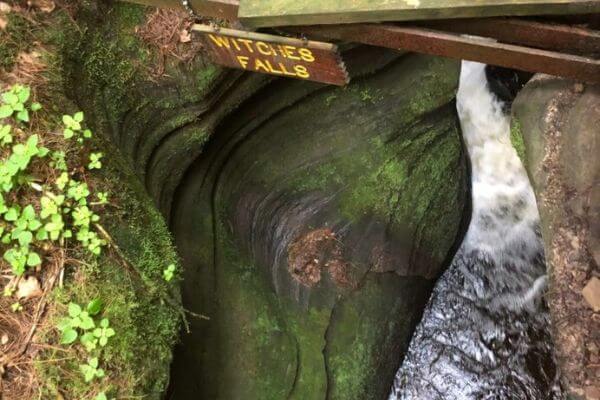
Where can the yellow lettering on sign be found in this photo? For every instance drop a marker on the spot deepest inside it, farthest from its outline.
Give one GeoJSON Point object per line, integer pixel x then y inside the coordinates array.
{"type": "Point", "coordinates": [289, 51]}
{"type": "Point", "coordinates": [301, 71]}
{"type": "Point", "coordinates": [248, 43]}
{"type": "Point", "coordinates": [263, 48]}
{"type": "Point", "coordinates": [235, 43]}
{"type": "Point", "coordinates": [243, 60]}
{"type": "Point", "coordinates": [258, 64]}
{"type": "Point", "coordinates": [220, 41]}
{"type": "Point", "coordinates": [271, 69]}
{"type": "Point", "coordinates": [269, 53]}
{"type": "Point", "coordinates": [306, 55]}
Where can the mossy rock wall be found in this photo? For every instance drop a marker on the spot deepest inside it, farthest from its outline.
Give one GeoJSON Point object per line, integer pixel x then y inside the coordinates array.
{"type": "Point", "coordinates": [312, 220]}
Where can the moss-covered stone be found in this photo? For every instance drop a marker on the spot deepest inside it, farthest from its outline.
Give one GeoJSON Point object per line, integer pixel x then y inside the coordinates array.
{"type": "Point", "coordinates": [381, 171]}
{"type": "Point", "coordinates": [516, 138]}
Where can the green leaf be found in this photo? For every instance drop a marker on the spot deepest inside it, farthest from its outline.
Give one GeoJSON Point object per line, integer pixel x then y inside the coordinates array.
{"type": "Point", "coordinates": [10, 98]}
{"type": "Point", "coordinates": [28, 212]}
{"type": "Point", "coordinates": [78, 117]}
{"type": "Point", "coordinates": [101, 396]}
{"type": "Point", "coordinates": [93, 362]}
{"type": "Point", "coordinates": [6, 111]}
{"type": "Point", "coordinates": [36, 106]}
{"type": "Point", "coordinates": [74, 310]}
{"type": "Point", "coordinates": [87, 322]}
{"type": "Point", "coordinates": [68, 133]}
{"type": "Point", "coordinates": [11, 214]}
{"type": "Point", "coordinates": [89, 341]}
{"type": "Point", "coordinates": [41, 234]}
{"type": "Point", "coordinates": [68, 336]}
{"type": "Point", "coordinates": [94, 307]}
{"type": "Point", "coordinates": [104, 323]}
{"type": "Point", "coordinates": [64, 324]}
{"type": "Point", "coordinates": [23, 94]}
{"type": "Point", "coordinates": [33, 259]}
{"type": "Point", "coordinates": [23, 115]}
{"type": "Point", "coordinates": [24, 238]}
{"type": "Point", "coordinates": [68, 120]}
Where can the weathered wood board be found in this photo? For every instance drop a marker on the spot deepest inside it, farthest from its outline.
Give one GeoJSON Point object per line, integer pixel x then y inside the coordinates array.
{"type": "Point", "coordinates": [258, 13]}
{"type": "Point", "coordinates": [275, 55]}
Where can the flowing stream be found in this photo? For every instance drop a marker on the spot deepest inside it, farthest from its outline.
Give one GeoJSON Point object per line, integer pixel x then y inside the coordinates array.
{"type": "Point", "coordinates": [484, 333]}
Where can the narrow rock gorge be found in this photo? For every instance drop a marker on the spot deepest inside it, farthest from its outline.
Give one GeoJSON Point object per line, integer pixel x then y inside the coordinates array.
{"type": "Point", "coordinates": [312, 221]}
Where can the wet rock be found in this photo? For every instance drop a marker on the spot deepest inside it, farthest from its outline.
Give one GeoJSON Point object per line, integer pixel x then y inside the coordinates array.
{"type": "Point", "coordinates": [313, 226]}
{"type": "Point", "coordinates": [557, 122]}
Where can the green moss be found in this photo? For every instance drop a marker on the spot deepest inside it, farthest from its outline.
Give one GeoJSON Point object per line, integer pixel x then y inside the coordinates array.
{"type": "Point", "coordinates": [253, 339]}
{"type": "Point", "coordinates": [516, 138]}
{"type": "Point", "coordinates": [356, 341]}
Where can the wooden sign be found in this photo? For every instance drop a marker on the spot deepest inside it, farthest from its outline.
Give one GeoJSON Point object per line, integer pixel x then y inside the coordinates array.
{"type": "Point", "coordinates": [275, 55]}
{"type": "Point", "coordinates": [259, 13]}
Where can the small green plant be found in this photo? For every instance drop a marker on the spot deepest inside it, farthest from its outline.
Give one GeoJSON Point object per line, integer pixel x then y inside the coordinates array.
{"type": "Point", "coordinates": [5, 135]}
{"type": "Point", "coordinates": [169, 273]}
{"type": "Point", "coordinates": [16, 307]}
{"type": "Point", "coordinates": [104, 332]}
{"type": "Point", "coordinates": [95, 162]}
{"type": "Point", "coordinates": [73, 127]}
{"type": "Point", "coordinates": [79, 321]}
{"type": "Point", "coordinates": [102, 198]}
{"type": "Point", "coordinates": [80, 324]}
{"type": "Point", "coordinates": [13, 102]}
{"type": "Point", "coordinates": [90, 370]}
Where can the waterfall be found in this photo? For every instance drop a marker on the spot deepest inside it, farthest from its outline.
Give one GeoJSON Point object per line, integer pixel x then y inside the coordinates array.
{"type": "Point", "coordinates": [484, 333]}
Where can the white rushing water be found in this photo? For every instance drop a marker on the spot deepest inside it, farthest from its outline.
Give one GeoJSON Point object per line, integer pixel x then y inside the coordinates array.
{"type": "Point", "coordinates": [484, 333]}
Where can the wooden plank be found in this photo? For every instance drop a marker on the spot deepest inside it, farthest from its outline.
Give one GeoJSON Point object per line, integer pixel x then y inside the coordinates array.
{"type": "Point", "coordinates": [261, 13]}
{"type": "Point", "coordinates": [221, 9]}
{"type": "Point", "coordinates": [275, 55]}
{"type": "Point", "coordinates": [469, 48]}
{"type": "Point", "coordinates": [565, 38]}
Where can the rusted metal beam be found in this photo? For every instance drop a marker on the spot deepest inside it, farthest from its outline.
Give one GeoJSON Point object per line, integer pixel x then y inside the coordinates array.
{"type": "Point", "coordinates": [455, 46]}
{"type": "Point", "coordinates": [565, 38]}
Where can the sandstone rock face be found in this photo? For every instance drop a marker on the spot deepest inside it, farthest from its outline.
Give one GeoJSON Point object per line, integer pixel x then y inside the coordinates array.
{"type": "Point", "coordinates": [559, 123]}
{"type": "Point", "coordinates": [313, 226]}
{"type": "Point", "coordinates": [312, 220]}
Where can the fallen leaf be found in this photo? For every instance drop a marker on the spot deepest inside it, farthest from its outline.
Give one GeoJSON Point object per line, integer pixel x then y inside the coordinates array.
{"type": "Point", "coordinates": [184, 36]}
{"type": "Point", "coordinates": [5, 8]}
{"type": "Point", "coordinates": [4, 339]}
{"type": "Point", "coordinates": [3, 23]}
{"type": "Point", "coordinates": [591, 293]}
{"type": "Point", "coordinates": [29, 288]}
